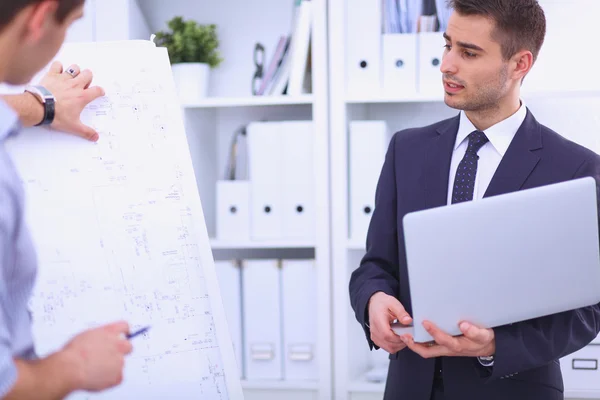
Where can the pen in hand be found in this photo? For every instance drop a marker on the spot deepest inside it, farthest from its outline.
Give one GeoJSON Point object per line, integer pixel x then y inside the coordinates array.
{"type": "Point", "coordinates": [136, 333]}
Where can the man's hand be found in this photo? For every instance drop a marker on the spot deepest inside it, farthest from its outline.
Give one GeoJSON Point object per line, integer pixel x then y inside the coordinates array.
{"type": "Point", "coordinates": [476, 342]}
{"type": "Point", "coordinates": [383, 310]}
{"type": "Point", "coordinates": [72, 95]}
{"type": "Point", "coordinates": [98, 356]}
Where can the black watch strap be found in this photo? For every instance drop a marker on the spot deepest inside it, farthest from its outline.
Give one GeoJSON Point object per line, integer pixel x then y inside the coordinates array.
{"type": "Point", "coordinates": [49, 109]}
{"type": "Point", "coordinates": [47, 99]}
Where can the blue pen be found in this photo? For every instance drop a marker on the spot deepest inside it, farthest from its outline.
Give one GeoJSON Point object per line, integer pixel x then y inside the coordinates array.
{"type": "Point", "coordinates": [139, 332]}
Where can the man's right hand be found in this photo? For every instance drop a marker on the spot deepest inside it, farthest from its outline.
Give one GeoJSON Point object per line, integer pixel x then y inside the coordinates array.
{"type": "Point", "coordinates": [98, 356]}
{"type": "Point", "coordinates": [383, 310]}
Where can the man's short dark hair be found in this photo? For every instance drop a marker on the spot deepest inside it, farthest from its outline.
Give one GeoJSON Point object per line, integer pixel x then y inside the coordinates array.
{"type": "Point", "coordinates": [10, 8]}
{"type": "Point", "coordinates": [519, 24]}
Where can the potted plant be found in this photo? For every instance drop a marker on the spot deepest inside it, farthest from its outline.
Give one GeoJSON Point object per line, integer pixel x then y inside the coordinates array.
{"type": "Point", "coordinates": [193, 52]}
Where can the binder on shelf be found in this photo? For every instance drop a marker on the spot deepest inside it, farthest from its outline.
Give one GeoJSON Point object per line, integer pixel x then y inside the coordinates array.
{"type": "Point", "coordinates": [233, 210]}
{"type": "Point", "coordinates": [363, 47]}
{"type": "Point", "coordinates": [281, 167]}
{"type": "Point", "coordinates": [298, 177]}
{"type": "Point", "coordinates": [581, 370]}
{"type": "Point", "coordinates": [399, 64]}
{"type": "Point", "coordinates": [368, 145]}
{"type": "Point", "coordinates": [264, 168]}
{"type": "Point", "coordinates": [233, 198]}
{"type": "Point", "coordinates": [262, 320]}
{"type": "Point", "coordinates": [430, 50]}
{"type": "Point", "coordinates": [230, 284]}
{"type": "Point", "coordinates": [299, 314]}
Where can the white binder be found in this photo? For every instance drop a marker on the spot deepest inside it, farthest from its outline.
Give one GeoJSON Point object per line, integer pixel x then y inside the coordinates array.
{"type": "Point", "coordinates": [363, 47]}
{"type": "Point", "coordinates": [230, 284]}
{"type": "Point", "coordinates": [431, 51]}
{"type": "Point", "coordinates": [399, 64]}
{"type": "Point", "coordinates": [264, 141]}
{"type": "Point", "coordinates": [299, 313]}
{"type": "Point", "coordinates": [262, 319]}
{"type": "Point", "coordinates": [581, 370]}
{"type": "Point", "coordinates": [298, 180]}
{"type": "Point", "coordinates": [368, 145]}
{"type": "Point", "coordinates": [233, 210]}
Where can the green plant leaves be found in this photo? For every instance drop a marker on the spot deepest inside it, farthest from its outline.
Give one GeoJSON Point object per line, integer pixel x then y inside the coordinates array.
{"type": "Point", "coordinates": [189, 41]}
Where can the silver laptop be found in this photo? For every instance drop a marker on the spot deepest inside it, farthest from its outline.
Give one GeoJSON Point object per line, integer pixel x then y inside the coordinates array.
{"type": "Point", "coordinates": [503, 259]}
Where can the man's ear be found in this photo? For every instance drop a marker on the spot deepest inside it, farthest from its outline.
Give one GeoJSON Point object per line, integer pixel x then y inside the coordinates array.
{"type": "Point", "coordinates": [41, 15]}
{"type": "Point", "coordinates": [522, 63]}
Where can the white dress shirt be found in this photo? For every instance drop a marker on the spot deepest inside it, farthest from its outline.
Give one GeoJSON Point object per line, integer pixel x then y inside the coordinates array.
{"type": "Point", "coordinates": [500, 135]}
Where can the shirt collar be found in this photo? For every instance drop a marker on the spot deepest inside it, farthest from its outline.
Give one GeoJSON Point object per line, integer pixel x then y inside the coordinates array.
{"type": "Point", "coordinates": [500, 135]}
{"type": "Point", "coordinates": [9, 121]}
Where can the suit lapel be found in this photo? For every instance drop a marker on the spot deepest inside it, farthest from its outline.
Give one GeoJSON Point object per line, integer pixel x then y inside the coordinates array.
{"type": "Point", "coordinates": [519, 160]}
{"type": "Point", "coordinates": [437, 164]}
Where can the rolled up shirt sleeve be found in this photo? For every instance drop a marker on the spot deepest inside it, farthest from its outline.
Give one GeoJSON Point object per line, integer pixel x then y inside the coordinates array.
{"type": "Point", "coordinates": [9, 215]}
{"type": "Point", "coordinates": [8, 369]}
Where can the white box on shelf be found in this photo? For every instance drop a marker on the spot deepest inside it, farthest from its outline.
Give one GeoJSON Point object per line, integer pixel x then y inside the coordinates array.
{"type": "Point", "coordinates": [399, 64]}
{"type": "Point", "coordinates": [265, 171]}
{"type": "Point", "coordinates": [430, 50]}
{"type": "Point", "coordinates": [363, 44]}
{"type": "Point", "coordinates": [368, 145]}
{"type": "Point", "coordinates": [262, 338]}
{"type": "Point", "coordinates": [298, 180]}
{"type": "Point", "coordinates": [581, 371]}
{"type": "Point", "coordinates": [299, 316]}
{"type": "Point", "coordinates": [230, 284]}
{"type": "Point", "coordinates": [233, 210]}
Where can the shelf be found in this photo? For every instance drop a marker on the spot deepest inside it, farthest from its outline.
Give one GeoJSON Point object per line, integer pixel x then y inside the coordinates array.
{"type": "Point", "coordinates": [280, 385]}
{"type": "Point", "coordinates": [354, 244]}
{"type": "Point", "coordinates": [250, 101]}
{"type": "Point", "coordinates": [438, 98]}
{"type": "Point", "coordinates": [272, 244]}
{"type": "Point", "coordinates": [363, 386]}
{"type": "Point", "coordinates": [411, 98]}
{"type": "Point", "coordinates": [582, 394]}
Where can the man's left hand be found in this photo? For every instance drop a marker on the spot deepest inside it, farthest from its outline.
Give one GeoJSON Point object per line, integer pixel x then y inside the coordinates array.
{"type": "Point", "coordinates": [475, 342]}
{"type": "Point", "coordinates": [72, 95]}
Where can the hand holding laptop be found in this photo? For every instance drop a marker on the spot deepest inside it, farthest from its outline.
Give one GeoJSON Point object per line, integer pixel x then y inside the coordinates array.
{"type": "Point", "coordinates": [383, 310]}
{"type": "Point", "coordinates": [475, 342]}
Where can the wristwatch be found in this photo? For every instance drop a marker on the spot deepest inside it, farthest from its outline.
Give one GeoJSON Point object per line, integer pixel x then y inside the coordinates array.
{"type": "Point", "coordinates": [47, 99]}
{"type": "Point", "coordinates": [486, 361]}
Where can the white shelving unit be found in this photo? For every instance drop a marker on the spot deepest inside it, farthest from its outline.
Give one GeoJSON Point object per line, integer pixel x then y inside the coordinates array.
{"type": "Point", "coordinates": [211, 123]}
{"type": "Point", "coordinates": [549, 102]}
{"type": "Point", "coordinates": [344, 354]}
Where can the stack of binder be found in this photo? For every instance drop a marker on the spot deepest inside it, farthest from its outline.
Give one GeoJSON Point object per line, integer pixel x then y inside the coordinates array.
{"type": "Point", "coordinates": [278, 201]}
{"type": "Point", "coordinates": [271, 311]}
{"type": "Point", "coordinates": [394, 47]}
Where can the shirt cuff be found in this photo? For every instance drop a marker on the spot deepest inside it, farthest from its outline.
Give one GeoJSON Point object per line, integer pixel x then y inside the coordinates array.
{"type": "Point", "coordinates": [8, 374]}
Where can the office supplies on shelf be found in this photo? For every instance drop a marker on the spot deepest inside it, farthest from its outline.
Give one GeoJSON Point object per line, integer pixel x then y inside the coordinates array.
{"type": "Point", "coordinates": [229, 275]}
{"type": "Point", "coordinates": [259, 60]}
{"type": "Point", "coordinates": [363, 47]}
{"type": "Point", "coordinates": [299, 319]}
{"type": "Point", "coordinates": [233, 194]}
{"type": "Point", "coordinates": [262, 339]}
{"type": "Point", "coordinates": [368, 145]}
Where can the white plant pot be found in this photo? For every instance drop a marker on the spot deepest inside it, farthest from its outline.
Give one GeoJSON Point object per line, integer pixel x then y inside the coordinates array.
{"type": "Point", "coordinates": [191, 81]}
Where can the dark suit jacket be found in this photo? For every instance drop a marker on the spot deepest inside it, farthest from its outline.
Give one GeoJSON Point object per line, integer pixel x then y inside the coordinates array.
{"type": "Point", "coordinates": [415, 177]}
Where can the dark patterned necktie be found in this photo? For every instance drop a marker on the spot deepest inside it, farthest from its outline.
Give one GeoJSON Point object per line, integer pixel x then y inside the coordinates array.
{"type": "Point", "coordinates": [464, 182]}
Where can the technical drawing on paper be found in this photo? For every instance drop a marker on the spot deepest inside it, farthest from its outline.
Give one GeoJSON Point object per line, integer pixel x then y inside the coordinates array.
{"type": "Point", "coordinates": [117, 238]}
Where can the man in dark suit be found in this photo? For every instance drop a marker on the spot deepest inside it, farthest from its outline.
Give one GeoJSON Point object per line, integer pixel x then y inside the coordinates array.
{"type": "Point", "coordinates": [494, 146]}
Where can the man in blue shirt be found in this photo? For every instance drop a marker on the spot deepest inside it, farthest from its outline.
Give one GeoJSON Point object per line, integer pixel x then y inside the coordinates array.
{"type": "Point", "coordinates": [31, 32]}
